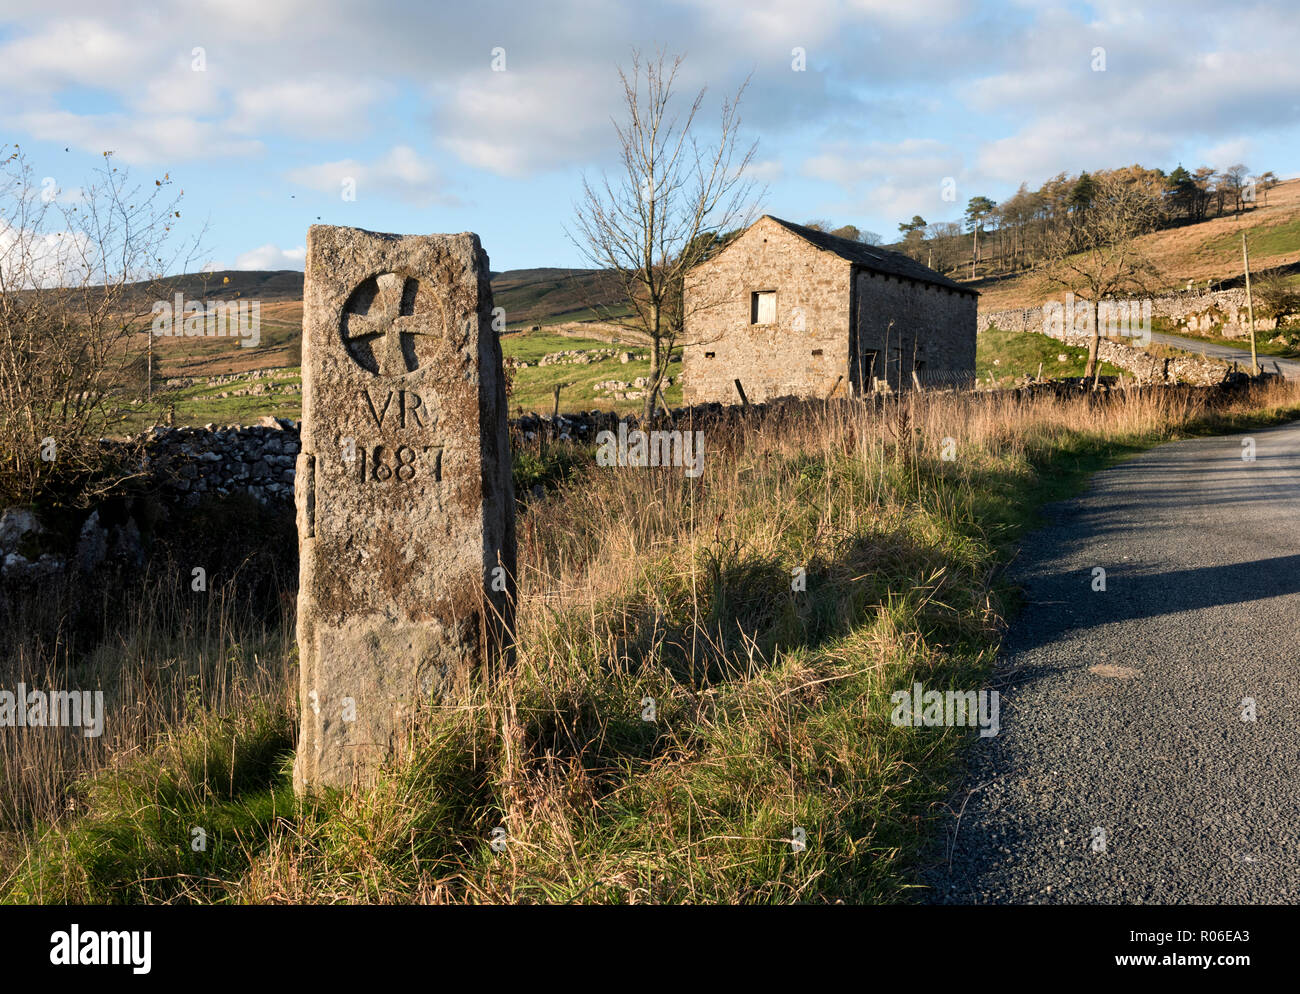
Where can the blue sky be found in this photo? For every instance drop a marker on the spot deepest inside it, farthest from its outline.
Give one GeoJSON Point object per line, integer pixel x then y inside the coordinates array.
{"type": "Point", "coordinates": [897, 96]}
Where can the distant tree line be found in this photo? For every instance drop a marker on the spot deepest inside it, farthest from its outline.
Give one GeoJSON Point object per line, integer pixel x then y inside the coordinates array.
{"type": "Point", "coordinates": [1027, 228]}
{"type": "Point", "coordinates": [850, 231]}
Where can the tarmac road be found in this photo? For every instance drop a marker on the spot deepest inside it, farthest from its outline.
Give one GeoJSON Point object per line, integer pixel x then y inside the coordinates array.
{"type": "Point", "coordinates": [1122, 710]}
{"type": "Point", "coordinates": [1290, 367]}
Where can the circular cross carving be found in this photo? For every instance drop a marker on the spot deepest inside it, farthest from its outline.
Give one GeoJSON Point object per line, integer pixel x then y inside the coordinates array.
{"type": "Point", "coordinates": [381, 329]}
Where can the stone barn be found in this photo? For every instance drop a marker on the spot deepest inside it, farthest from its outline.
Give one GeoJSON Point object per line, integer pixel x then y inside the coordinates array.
{"type": "Point", "coordinates": [791, 311]}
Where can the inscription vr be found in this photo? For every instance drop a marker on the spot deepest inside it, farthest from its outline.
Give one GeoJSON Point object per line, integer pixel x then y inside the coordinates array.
{"type": "Point", "coordinates": [408, 403]}
{"type": "Point", "coordinates": [381, 462]}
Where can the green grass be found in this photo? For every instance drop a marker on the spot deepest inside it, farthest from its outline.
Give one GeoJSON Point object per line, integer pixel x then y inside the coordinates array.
{"type": "Point", "coordinates": [772, 706]}
{"type": "Point", "coordinates": [201, 404]}
{"type": "Point", "coordinates": [532, 345]}
{"type": "Point", "coordinates": [1264, 240]}
{"type": "Point", "coordinates": [533, 387]}
{"type": "Point", "coordinates": [229, 778]}
{"type": "Point", "coordinates": [1019, 354]}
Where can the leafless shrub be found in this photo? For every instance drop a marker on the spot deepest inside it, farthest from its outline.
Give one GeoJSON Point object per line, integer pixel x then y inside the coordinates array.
{"type": "Point", "coordinates": [77, 282]}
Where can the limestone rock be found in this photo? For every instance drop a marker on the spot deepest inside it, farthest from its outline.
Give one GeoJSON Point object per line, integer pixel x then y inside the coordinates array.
{"type": "Point", "coordinates": [16, 524]}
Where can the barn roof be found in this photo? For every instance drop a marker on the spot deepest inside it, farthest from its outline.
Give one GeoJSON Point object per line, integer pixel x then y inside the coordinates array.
{"type": "Point", "coordinates": [871, 257]}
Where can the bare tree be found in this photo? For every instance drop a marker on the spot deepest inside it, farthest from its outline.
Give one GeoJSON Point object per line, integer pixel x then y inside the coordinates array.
{"type": "Point", "coordinates": [1266, 182]}
{"type": "Point", "coordinates": [664, 211]}
{"type": "Point", "coordinates": [1236, 180]}
{"type": "Point", "coordinates": [1097, 255]}
{"type": "Point", "coordinates": [76, 290]}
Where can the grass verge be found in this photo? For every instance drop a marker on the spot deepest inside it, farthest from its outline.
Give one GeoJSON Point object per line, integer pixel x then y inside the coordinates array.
{"type": "Point", "coordinates": [704, 669]}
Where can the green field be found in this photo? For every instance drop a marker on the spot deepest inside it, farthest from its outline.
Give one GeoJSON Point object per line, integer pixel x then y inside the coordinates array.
{"type": "Point", "coordinates": [1012, 355]}
{"type": "Point", "coordinates": [1264, 240]}
{"type": "Point", "coordinates": [1008, 356]}
{"type": "Point", "coordinates": [201, 404]}
{"type": "Point", "coordinates": [532, 388]}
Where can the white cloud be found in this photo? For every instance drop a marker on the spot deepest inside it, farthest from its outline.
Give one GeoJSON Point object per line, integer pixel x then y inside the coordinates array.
{"type": "Point", "coordinates": [1070, 144]}
{"type": "Point", "coordinates": [1171, 81]}
{"type": "Point", "coordinates": [31, 258]}
{"type": "Point", "coordinates": [321, 107]}
{"type": "Point", "coordinates": [767, 171]}
{"type": "Point", "coordinates": [891, 179]}
{"type": "Point", "coordinates": [401, 173]}
{"type": "Point", "coordinates": [138, 140]}
{"type": "Point", "coordinates": [927, 12]}
{"type": "Point", "coordinates": [513, 123]}
{"type": "Point", "coordinates": [179, 91]}
{"type": "Point", "coordinates": [1228, 153]}
{"type": "Point", "coordinates": [271, 256]}
{"type": "Point", "coordinates": [83, 51]}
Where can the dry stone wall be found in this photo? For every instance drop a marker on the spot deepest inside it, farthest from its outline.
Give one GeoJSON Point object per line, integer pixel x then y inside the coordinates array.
{"type": "Point", "coordinates": [1145, 366]}
{"type": "Point", "coordinates": [1156, 369]}
{"type": "Point", "coordinates": [185, 464]}
{"type": "Point", "coordinates": [1221, 311]}
{"type": "Point", "coordinates": [1187, 308]}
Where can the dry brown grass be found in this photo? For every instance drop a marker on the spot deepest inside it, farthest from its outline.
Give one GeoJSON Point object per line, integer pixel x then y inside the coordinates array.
{"type": "Point", "coordinates": [1181, 254]}
{"type": "Point", "coordinates": [771, 705]}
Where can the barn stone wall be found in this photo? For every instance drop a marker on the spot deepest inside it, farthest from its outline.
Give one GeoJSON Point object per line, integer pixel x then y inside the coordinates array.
{"type": "Point", "coordinates": [911, 325]}
{"type": "Point", "coordinates": [773, 360]}
{"type": "Point", "coordinates": [808, 351]}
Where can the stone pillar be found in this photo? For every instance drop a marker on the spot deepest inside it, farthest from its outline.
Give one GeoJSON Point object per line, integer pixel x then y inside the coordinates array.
{"type": "Point", "coordinates": [406, 532]}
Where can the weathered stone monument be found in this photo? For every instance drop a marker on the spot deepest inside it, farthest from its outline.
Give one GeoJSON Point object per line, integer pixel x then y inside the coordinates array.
{"type": "Point", "coordinates": [403, 490]}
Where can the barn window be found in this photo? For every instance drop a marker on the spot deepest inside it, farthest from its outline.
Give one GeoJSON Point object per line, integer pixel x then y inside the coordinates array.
{"type": "Point", "coordinates": [762, 307]}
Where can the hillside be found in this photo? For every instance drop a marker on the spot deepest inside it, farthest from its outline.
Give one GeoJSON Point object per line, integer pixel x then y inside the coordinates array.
{"type": "Point", "coordinates": [551, 297]}
{"type": "Point", "coordinates": [530, 297]}
{"type": "Point", "coordinates": [1207, 251]}
{"type": "Point", "coordinates": [268, 286]}
{"type": "Point", "coordinates": [547, 296]}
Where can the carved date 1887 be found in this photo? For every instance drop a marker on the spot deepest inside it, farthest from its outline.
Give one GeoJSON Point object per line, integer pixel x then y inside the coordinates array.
{"type": "Point", "coordinates": [382, 463]}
